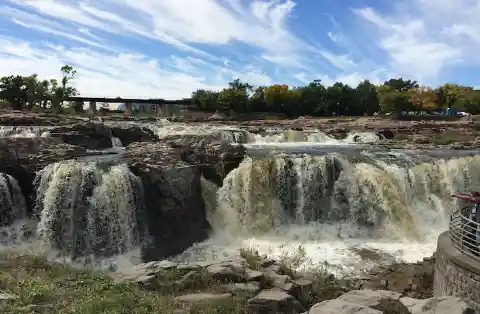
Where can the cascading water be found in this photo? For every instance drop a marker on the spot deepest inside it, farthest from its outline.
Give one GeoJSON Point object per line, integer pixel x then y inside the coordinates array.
{"type": "Point", "coordinates": [271, 137]}
{"type": "Point", "coordinates": [332, 204]}
{"type": "Point", "coordinates": [15, 131]}
{"type": "Point", "coordinates": [116, 143]}
{"type": "Point", "coordinates": [88, 209]}
{"type": "Point", "coordinates": [12, 201]}
{"type": "Point", "coordinates": [382, 199]}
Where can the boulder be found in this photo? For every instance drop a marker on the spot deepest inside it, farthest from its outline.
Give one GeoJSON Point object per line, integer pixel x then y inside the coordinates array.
{"type": "Point", "coordinates": [386, 134]}
{"type": "Point", "coordinates": [275, 301]}
{"type": "Point", "coordinates": [339, 306]}
{"type": "Point", "coordinates": [215, 159]}
{"type": "Point", "coordinates": [90, 135]}
{"type": "Point", "coordinates": [370, 298]}
{"type": "Point", "coordinates": [129, 134]}
{"type": "Point", "coordinates": [438, 305]}
{"type": "Point", "coordinates": [174, 208]}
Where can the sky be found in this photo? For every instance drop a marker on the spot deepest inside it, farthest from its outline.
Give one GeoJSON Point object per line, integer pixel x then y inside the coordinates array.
{"type": "Point", "coordinates": [170, 48]}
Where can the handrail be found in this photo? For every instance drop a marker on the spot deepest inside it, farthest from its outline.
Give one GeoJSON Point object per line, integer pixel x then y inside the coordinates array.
{"type": "Point", "coordinates": [465, 233]}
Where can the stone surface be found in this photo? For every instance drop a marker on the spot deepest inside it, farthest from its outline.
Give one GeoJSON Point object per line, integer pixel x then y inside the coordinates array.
{"type": "Point", "coordinates": [456, 274]}
{"type": "Point", "coordinates": [174, 208]}
{"type": "Point", "coordinates": [370, 298]}
{"type": "Point", "coordinates": [248, 288]}
{"type": "Point", "coordinates": [275, 301]}
{"type": "Point", "coordinates": [129, 134]}
{"type": "Point", "coordinates": [90, 135]}
{"type": "Point", "coordinates": [438, 305]}
{"type": "Point", "coordinates": [214, 157]}
{"type": "Point", "coordinates": [339, 306]}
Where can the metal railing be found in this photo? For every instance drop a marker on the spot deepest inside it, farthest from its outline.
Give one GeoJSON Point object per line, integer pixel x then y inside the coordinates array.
{"type": "Point", "coordinates": [465, 233]}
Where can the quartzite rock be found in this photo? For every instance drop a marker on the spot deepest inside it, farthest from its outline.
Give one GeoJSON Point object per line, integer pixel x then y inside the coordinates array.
{"type": "Point", "coordinates": [90, 135]}
{"type": "Point", "coordinates": [174, 208]}
{"type": "Point", "coordinates": [129, 134]}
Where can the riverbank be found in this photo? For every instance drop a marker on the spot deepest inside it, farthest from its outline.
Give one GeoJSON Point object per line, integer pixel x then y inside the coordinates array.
{"type": "Point", "coordinates": [249, 284]}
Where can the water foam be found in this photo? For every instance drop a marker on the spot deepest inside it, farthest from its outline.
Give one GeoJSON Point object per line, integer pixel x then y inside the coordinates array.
{"type": "Point", "coordinates": [331, 206]}
{"type": "Point", "coordinates": [16, 131]}
{"type": "Point", "coordinates": [87, 209]}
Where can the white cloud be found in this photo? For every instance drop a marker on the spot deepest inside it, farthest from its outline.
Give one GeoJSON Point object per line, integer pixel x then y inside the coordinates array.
{"type": "Point", "coordinates": [423, 38]}
{"type": "Point", "coordinates": [342, 62]}
{"type": "Point", "coordinates": [332, 36]}
{"type": "Point", "coordinates": [183, 23]}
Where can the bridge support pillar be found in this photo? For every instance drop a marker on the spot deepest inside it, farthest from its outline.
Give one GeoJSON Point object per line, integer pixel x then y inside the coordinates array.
{"type": "Point", "coordinates": [128, 108]}
{"type": "Point", "coordinates": [161, 110]}
{"type": "Point", "coordinates": [92, 108]}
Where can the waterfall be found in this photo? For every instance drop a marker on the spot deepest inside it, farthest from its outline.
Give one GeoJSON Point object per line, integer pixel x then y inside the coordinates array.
{"type": "Point", "coordinates": [15, 131]}
{"type": "Point", "coordinates": [12, 201]}
{"type": "Point", "coordinates": [235, 135]}
{"type": "Point", "coordinates": [353, 198]}
{"type": "Point", "coordinates": [116, 143]}
{"type": "Point", "coordinates": [88, 209]}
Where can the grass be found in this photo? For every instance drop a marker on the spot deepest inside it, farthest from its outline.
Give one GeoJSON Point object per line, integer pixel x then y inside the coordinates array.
{"type": "Point", "coordinates": [450, 137]}
{"type": "Point", "coordinates": [42, 286]}
{"type": "Point", "coordinates": [47, 287]}
{"type": "Point", "coordinates": [324, 285]}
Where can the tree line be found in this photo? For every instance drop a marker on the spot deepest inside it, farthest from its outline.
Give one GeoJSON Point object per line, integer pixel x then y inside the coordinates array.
{"type": "Point", "coordinates": [31, 93]}
{"type": "Point", "coordinates": [315, 99]}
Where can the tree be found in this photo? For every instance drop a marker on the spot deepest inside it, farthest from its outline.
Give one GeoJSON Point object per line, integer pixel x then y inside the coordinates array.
{"type": "Point", "coordinates": [313, 99]}
{"type": "Point", "coordinates": [65, 88]}
{"type": "Point", "coordinates": [367, 99]}
{"type": "Point", "coordinates": [423, 98]}
{"type": "Point", "coordinates": [256, 102]}
{"type": "Point", "coordinates": [276, 97]}
{"type": "Point", "coordinates": [235, 97]}
{"type": "Point", "coordinates": [394, 95]}
{"type": "Point", "coordinates": [205, 100]}
{"type": "Point", "coordinates": [13, 91]}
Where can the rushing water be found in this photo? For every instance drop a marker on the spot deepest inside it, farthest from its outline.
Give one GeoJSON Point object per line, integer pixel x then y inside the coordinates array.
{"type": "Point", "coordinates": [88, 209]}
{"type": "Point", "coordinates": [295, 189]}
{"type": "Point", "coordinates": [14, 131]}
{"type": "Point", "coordinates": [334, 204]}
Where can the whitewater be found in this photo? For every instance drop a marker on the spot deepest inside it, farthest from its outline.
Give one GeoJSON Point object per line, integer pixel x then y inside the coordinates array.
{"type": "Point", "coordinates": [344, 204]}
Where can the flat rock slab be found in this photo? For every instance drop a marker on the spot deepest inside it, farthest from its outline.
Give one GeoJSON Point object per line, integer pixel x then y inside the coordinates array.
{"type": "Point", "coordinates": [249, 288]}
{"type": "Point", "coordinates": [275, 301]}
{"type": "Point", "coordinates": [202, 297]}
{"type": "Point", "coordinates": [370, 298]}
{"type": "Point", "coordinates": [338, 306]}
{"type": "Point", "coordinates": [438, 305]}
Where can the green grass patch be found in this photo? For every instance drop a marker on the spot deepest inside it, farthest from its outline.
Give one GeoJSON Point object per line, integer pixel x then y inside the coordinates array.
{"type": "Point", "coordinates": [450, 137]}
{"type": "Point", "coordinates": [47, 287]}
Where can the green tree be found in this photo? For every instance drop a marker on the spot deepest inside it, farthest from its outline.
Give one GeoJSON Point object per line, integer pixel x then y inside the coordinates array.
{"type": "Point", "coordinates": [313, 99]}
{"type": "Point", "coordinates": [256, 102]}
{"type": "Point", "coordinates": [66, 89]}
{"type": "Point", "coordinates": [13, 91]}
{"type": "Point", "coordinates": [235, 97]}
{"type": "Point", "coordinates": [366, 99]}
{"type": "Point", "coordinates": [205, 99]}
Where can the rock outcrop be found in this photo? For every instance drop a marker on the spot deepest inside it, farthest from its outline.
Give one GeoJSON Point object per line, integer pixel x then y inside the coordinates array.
{"type": "Point", "coordinates": [90, 135]}
{"type": "Point", "coordinates": [266, 288]}
{"type": "Point", "coordinates": [175, 210]}
{"type": "Point", "coordinates": [214, 157]}
{"type": "Point", "coordinates": [129, 134]}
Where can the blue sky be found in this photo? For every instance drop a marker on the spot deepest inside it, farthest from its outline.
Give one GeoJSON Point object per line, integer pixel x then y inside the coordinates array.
{"type": "Point", "coordinates": [169, 48]}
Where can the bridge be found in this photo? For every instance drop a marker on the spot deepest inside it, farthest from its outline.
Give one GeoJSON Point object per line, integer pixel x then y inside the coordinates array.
{"type": "Point", "coordinates": [162, 105]}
